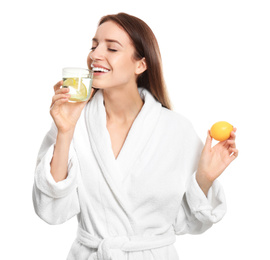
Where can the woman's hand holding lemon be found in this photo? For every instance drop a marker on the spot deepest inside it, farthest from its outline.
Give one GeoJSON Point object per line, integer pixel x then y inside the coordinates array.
{"type": "Point", "coordinates": [214, 160]}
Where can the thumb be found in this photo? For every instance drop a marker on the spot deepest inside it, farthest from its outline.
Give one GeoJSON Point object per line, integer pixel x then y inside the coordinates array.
{"type": "Point", "coordinates": [208, 142]}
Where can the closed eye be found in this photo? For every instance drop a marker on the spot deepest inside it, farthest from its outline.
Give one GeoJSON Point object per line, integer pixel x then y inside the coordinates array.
{"type": "Point", "coordinates": [113, 50]}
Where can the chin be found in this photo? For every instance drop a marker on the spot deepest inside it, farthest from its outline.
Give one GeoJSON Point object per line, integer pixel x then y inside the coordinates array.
{"type": "Point", "coordinates": [101, 86]}
{"type": "Point", "coordinates": [98, 85]}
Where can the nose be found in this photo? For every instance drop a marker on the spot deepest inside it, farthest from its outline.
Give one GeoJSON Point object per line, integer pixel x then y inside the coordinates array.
{"type": "Point", "coordinates": [97, 53]}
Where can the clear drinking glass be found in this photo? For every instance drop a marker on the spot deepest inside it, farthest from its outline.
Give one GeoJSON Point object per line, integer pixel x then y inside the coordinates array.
{"type": "Point", "coordinates": [79, 81]}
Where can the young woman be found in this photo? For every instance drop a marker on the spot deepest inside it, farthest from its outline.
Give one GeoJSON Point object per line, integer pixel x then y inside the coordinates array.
{"type": "Point", "coordinates": [133, 171]}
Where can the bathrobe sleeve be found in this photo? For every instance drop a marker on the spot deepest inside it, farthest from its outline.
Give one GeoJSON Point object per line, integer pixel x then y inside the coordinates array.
{"type": "Point", "coordinates": [55, 202]}
{"type": "Point", "coordinates": [198, 212]}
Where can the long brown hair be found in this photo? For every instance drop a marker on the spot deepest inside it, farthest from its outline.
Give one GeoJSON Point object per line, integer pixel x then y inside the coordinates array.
{"type": "Point", "coordinates": [146, 46]}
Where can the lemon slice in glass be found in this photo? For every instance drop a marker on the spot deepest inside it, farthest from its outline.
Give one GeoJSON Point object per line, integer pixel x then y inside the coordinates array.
{"type": "Point", "coordinates": [77, 85]}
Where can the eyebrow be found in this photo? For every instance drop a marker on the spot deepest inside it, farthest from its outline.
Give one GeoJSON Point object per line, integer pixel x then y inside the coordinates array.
{"type": "Point", "coordinates": [107, 40]}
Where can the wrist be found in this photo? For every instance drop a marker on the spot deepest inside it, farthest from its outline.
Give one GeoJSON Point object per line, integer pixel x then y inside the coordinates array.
{"type": "Point", "coordinates": [65, 134]}
{"type": "Point", "coordinates": [204, 183]}
{"type": "Point", "coordinates": [64, 138]}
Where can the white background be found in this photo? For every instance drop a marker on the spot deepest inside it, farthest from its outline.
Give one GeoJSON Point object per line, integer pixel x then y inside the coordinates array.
{"type": "Point", "coordinates": [216, 58]}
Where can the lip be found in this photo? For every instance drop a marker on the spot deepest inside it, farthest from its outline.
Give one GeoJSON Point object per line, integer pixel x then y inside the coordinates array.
{"type": "Point", "coordinates": [98, 66]}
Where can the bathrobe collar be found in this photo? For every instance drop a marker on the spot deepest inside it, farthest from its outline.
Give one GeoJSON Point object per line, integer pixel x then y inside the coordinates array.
{"type": "Point", "coordinates": [117, 170]}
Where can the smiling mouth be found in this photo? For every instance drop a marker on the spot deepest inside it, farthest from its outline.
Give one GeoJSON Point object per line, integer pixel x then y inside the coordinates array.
{"type": "Point", "coordinates": [99, 69]}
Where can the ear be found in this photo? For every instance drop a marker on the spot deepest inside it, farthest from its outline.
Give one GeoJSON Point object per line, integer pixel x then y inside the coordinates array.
{"type": "Point", "coordinates": [141, 66]}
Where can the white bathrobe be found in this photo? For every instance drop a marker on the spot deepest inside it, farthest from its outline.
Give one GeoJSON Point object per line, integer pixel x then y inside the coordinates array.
{"type": "Point", "coordinates": [131, 207]}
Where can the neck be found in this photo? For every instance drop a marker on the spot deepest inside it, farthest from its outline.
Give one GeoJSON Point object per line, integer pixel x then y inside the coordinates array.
{"type": "Point", "coordinates": [122, 105]}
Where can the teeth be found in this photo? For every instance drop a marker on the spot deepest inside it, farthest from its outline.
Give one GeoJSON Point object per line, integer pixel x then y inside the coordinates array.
{"type": "Point", "coordinates": [99, 69]}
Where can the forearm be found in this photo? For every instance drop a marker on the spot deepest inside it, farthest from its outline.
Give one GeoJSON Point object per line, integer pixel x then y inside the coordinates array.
{"type": "Point", "coordinates": [59, 162]}
{"type": "Point", "coordinates": [203, 182]}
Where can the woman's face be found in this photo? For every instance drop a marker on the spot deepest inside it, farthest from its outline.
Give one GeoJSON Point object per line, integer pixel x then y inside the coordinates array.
{"type": "Point", "coordinates": [111, 58]}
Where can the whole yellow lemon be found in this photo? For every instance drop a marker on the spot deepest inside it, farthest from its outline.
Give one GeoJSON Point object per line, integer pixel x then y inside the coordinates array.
{"type": "Point", "coordinates": [221, 131]}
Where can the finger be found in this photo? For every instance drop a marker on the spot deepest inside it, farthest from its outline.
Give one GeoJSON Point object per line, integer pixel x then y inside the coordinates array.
{"type": "Point", "coordinates": [58, 85]}
{"type": "Point", "coordinates": [233, 152]}
{"type": "Point", "coordinates": [230, 143]}
{"type": "Point", "coordinates": [233, 155]}
{"type": "Point", "coordinates": [208, 142]}
{"type": "Point", "coordinates": [59, 96]}
{"type": "Point", "coordinates": [58, 102]}
{"type": "Point", "coordinates": [232, 135]}
{"type": "Point", "coordinates": [62, 91]}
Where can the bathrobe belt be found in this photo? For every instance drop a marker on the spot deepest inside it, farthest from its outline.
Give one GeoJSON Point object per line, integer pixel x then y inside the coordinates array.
{"type": "Point", "coordinates": [124, 243]}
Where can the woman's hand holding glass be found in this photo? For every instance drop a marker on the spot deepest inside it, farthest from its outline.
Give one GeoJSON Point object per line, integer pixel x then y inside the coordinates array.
{"type": "Point", "coordinates": [64, 113]}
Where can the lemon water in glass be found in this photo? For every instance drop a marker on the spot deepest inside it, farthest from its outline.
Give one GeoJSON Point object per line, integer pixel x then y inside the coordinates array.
{"type": "Point", "coordinates": [79, 81]}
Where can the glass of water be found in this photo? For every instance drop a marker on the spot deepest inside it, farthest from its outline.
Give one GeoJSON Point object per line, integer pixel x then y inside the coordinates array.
{"type": "Point", "coordinates": [79, 81]}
